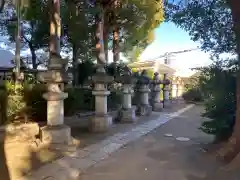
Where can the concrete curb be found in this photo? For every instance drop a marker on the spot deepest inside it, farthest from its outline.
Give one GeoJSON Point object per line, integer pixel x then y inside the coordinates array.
{"type": "Point", "coordinates": [70, 167]}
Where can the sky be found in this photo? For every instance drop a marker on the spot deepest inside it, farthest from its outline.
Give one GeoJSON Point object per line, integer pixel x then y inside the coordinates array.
{"type": "Point", "coordinates": [170, 38]}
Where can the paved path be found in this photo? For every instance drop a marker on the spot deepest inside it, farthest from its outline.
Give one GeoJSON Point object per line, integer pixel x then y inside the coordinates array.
{"type": "Point", "coordinates": [76, 163]}
{"type": "Point", "coordinates": [157, 157]}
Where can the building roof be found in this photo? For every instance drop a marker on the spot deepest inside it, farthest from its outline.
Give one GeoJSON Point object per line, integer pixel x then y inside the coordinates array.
{"type": "Point", "coordinates": [6, 58]}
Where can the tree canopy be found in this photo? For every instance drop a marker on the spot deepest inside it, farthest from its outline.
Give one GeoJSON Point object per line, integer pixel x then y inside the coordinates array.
{"type": "Point", "coordinates": [136, 20]}
{"type": "Point", "coordinates": [209, 22]}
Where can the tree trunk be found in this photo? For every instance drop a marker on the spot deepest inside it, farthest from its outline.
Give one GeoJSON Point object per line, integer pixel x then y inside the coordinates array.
{"type": "Point", "coordinates": [105, 36]}
{"type": "Point", "coordinates": [116, 57]}
{"type": "Point", "coordinates": [55, 27]}
{"type": "Point", "coordinates": [99, 48]}
{"type": "Point", "coordinates": [233, 147]}
{"type": "Point", "coordinates": [34, 56]}
{"type": "Point", "coordinates": [75, 64]}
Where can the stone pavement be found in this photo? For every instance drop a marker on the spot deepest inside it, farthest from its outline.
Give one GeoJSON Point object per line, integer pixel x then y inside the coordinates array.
{"type": "Point", "coordinates": [72, 166]}
{"type": "Point", "coordinates": [160, 156]}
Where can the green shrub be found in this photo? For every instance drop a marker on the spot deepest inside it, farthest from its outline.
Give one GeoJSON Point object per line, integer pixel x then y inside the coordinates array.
{"type": "Point", "coordinates": [36, 104]}
{"type": "Point", "coordinates": [85, 70]}
{"type": "Point", "coordinates": [114, 100]}
{"type": "Point", "coordinates": [193, 95]}
{"type": "Point", "coordinates": [79, 99]}
{"type": "Point", "coordinates": [28, 104]}
{"type": "Point", "coordinates": [218, 84]}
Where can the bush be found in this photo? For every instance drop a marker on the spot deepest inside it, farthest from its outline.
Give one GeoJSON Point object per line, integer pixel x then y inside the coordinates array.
{"type": "Point", "coordinates": [78, 99]}
{"type": "Point", "coordinates": [218, 84]}
{"type": "Point", "coordinates": [114, 100]}
{"type": "Point", "coordinates": [193, 95]}
{"type": "Point", "coordinates": [36, 104]}
{"type": "Point", "coordinates": [28, 104]}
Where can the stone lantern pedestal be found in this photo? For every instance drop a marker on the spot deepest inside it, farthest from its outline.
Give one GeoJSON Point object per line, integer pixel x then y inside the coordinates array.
{"type": "Point", "coordinates": [128, 112]}
{"type": "Point", "coordinates": [174, 91]}
{"type": "Point", "coordinates": [166, 92]}
{"type": "Point", "coordinates": [101, 121]}
{"type": "Point", "coordinates": [143, 107]}
{"type": "Point", "coordinates": [56, 132]}
{"type": "Point", "coordinates": [157, 105]}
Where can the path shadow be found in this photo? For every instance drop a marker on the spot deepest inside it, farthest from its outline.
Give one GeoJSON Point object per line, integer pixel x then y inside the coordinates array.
{"type": "Point", "coordinates": [17, 159]}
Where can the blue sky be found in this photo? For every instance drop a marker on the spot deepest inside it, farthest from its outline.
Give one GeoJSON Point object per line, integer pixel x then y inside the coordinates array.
{"type": "Point", "coordinates": [170, 38]}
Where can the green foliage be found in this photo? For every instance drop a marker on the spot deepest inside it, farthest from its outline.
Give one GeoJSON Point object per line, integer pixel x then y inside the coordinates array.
{"type": "Point", "coordinates": [209, 22]}
{"type": "Point", "coordinates": [34, 28]}
{"type": "Point", "coordinates": [85, 69]}
{"type": "Point", "coordinates": [36, 104]}
{"type": "Point", "coordinates": [218, 85]}
{"type": "Point", "coordinates": [79, 17]}
{"type": "Point", "coordinates": [29, 105]}
{"type": "Point", "coordinates": [79, 99]}
{"type": "Point", "coordinates": [12, 104]}
{"type": "Point", "coordinates": [193, 92]}
{"type": "Point", "coordinates": [193, 95]}
{"type": "Point", "coordinates": [143, 17]}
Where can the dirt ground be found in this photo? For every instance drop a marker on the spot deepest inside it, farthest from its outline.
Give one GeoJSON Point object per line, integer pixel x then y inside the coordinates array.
{"type": "Point", "coordinates": [160, 156]}
{"type": "Point", "coordinates": [19, 158]}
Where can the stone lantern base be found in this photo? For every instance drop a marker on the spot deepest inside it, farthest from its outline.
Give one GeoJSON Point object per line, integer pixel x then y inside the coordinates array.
{"type": "Point", "coordinates": [166, 104]}
{"type": "Point", "coordinates": [157, 106]}
{"type": "Point", "coordinates": [60, 134]}
{"type": "Point", "coordinates": [56, 132]}
{"type": "Point", "coordinates": [144, 110]}
{"type": "Point", "coordinates": [128, 115]}
{"type": "Point", "coordinates": [100, 123]}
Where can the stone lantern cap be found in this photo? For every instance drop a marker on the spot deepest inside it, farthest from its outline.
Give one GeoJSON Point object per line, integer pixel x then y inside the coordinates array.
{"type": "Point", "coordinates": [144, 79]}
{"type": "Point", "coordinates": [56, 71]}
{"type": "Point", "coordinates": [58, 63]}
{"type": "Point", "coordinates": [156, 80]}
{"type": "Point", "coordinates": [101, 78]}
{"type": "Point", "coordinates": [52, 77]}
{"type": "Point", "coordinates": [166, 81]}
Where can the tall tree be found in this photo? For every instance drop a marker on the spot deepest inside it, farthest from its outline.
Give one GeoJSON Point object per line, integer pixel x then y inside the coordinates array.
{"type": "Point", "coordinates": [79, 32]}
{"type": "Point", "coordinates": [150, 15]}
{"type": "Point", "coordinates": [34, 31]}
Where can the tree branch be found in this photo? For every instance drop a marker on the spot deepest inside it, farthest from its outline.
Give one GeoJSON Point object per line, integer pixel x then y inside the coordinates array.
{"type": "Point", "coordinates": [26, 39]}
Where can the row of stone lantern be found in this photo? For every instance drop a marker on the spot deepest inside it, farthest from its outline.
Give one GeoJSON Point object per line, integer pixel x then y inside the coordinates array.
{"type": "Point", "coordinates": [55, 132]}
{"type": "Point", "coordinates": [144, 88]}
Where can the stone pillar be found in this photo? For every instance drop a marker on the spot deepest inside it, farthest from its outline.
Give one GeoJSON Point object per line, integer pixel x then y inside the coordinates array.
{"type": "Point", "coordinates": [174, 91]}
{"type": "Point", "coordinates": [143, 107]}
{"type": "Point", "coordinates": [156, 91]}
{"type": "Point", "coordinates": [128, 112]}
{"type": "Point", "coordinates": [101, 121]}
{"type": "Point", "coordinates": [55, 132]}
{"type": "Point", "coordinates": [166, 91]}
{"type": "Point", "coordinates": [180, 90]}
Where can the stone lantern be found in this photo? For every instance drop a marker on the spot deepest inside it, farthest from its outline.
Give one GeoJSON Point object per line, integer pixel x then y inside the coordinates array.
{"type": "Point", "coordinates": [101, 121]}
{"type": "Point", "coordinates": [55, 132]}
{"type": "Point", "coordinates": [128, 113]}
{"type": "Point", "coordinates": [143, 107]}
{"type": "Point", "coordinates": [156, 91]}
{"type": "Point", "coordinates": [166, 91]}
{"type": "Point", "coordinates": [174, 88]}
